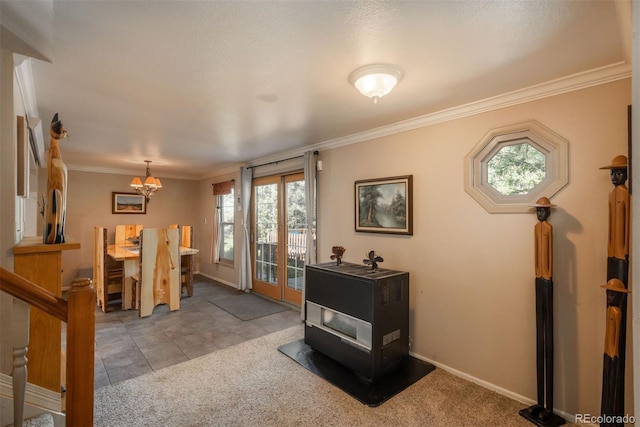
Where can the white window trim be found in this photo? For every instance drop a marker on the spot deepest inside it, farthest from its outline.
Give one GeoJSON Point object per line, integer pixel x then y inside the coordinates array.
{"type": "Point", "coordinates": [553, 146]}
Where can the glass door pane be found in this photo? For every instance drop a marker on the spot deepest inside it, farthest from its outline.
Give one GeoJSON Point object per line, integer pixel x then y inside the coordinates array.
{"type": "Point", "coordinates": [266, 237]}
{"type": "Point", "coordinates": [296, 229]}
{"type": "Point", "coordinates": [279, 236]}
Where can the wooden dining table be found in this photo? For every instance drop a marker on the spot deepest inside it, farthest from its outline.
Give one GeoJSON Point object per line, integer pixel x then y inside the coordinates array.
{"type": "Point", "coordinates": [130, 255]}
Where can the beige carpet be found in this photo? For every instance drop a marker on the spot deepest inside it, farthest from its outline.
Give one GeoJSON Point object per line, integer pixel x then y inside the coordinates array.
{"type": "Point", "coordinates": [253, 384]}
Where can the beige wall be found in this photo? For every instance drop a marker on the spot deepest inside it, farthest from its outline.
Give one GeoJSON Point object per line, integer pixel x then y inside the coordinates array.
{"type": "Point", "coordinates": [472, 279]}
{"type": "Point", "coordinates": [89, 204]}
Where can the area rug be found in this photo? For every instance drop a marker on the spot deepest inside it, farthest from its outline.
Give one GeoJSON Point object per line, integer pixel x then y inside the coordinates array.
{"type": "Point", "coordinates": [408, 372]}
{"type": "Point", "coordinates": [247, 306]}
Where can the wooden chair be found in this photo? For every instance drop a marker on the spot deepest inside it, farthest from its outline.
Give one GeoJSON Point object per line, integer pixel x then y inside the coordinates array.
{"type": "Point", "coordinates": [158, 279]}
{"type": "Point", "coordinates": [186, 236]}
{"type": "Point", "coordinates": [126, 231]}
{"type": "Point", "coordinates": [108, 275]}
{"type": "Point", "coordinates": [186, 261]}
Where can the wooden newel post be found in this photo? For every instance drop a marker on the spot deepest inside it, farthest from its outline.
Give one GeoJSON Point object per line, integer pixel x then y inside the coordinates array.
{"type": "Point", "coordinates": [80, 353]}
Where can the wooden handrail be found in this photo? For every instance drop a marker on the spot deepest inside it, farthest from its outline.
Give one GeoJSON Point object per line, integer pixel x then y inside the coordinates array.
{"type": "Point", "coordinates": [33, 294]}
{"type": "Point", "coordinates": [79, 314]}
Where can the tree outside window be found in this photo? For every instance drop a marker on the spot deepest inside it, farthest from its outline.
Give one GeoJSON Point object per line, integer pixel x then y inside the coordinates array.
{"type": "Point", "coordinates": [516, 169]}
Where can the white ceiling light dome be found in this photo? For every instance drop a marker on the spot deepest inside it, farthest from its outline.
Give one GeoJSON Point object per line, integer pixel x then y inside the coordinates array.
{"type": "Point", "coordinates": [376, 80]}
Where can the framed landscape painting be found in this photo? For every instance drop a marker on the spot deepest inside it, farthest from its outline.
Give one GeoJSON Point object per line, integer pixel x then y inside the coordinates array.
{"type": "Point", "coordinates": [385, 205]}
{"type": "Point", "coordinates": [128, 203]}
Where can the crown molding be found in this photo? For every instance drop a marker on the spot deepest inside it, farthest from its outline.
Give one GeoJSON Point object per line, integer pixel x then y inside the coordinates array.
{"type": "Point", "coordinates": [583, 80]}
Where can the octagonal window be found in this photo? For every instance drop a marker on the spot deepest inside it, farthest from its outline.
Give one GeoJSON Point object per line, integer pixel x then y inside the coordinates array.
{"type": "Point", "coordinates": [516, 169]}
{"type": "Point", "coordinates": [513, 166]}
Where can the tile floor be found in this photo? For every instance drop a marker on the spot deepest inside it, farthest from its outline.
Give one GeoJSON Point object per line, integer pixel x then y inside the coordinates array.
{"type": "Point", "coordinates": [128, 346]}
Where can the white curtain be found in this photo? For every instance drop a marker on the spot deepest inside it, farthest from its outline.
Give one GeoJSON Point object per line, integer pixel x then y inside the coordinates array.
{"type": "Point", "coordinates": [245, 281]}
{"type": "Point", "coordinates": [310, 205]}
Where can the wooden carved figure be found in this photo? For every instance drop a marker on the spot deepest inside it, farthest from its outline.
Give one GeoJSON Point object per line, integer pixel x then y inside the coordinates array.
{"type": "Point", "coordinates": [56, 197]}
{"type": "Point", "coordinates": [619, 210]}
{"type": "Point", "coordinates": [542, 413]}
{"type": "Point", "coordinates": [613, 371]}
{"type": "Point", "coordinates": [338, 252]}
{"type": "Point", "coordinates": [613, 386]}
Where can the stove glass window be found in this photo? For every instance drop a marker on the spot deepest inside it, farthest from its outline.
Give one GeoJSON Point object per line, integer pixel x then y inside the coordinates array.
{"type": "Point", "coordinates": [339, 322]}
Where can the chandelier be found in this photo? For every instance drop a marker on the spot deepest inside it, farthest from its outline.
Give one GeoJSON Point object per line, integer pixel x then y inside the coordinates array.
{"type": "Point", "coordinates": [376, 80]}
{"type": "Point", "coordinates": [150, 186]}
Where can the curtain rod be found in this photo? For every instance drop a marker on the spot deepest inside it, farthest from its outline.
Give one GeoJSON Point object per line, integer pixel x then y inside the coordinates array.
{"type": "Point", "coordinates": [278, 161]}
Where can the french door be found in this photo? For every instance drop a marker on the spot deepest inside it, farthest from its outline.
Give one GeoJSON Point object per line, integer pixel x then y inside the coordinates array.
{"type": "Point", "coordinates": [279, 236]}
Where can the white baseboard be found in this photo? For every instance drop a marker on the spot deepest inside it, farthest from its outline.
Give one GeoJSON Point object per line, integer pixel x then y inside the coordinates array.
{"type": "Point", "coordinates": [508, 393]}
{"type": "Point", "coordinates": [38, 400]}
{"type": "Point", "coordinates": [34, 395]}
{"type": "Point", "coordinates": [217, 279]}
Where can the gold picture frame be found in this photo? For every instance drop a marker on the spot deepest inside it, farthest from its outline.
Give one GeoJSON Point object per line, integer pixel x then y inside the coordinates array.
{"type": "Point", "coordinates": [384, 205]}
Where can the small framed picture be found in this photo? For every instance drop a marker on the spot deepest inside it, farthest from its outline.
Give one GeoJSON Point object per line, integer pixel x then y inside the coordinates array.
{"type": "Point", "coordinates": [385, 205]}
{"type": "Point", "coordinates": [128, 203]}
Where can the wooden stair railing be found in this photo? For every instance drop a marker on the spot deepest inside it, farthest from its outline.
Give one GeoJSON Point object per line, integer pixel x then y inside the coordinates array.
{"type": "Point", "coordinates": [78, 312]}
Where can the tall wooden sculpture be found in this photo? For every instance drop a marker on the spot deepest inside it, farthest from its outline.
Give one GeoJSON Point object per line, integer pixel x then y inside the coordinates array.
{"type": "Point", "coordinates": [542, 413]}
{"type": "Point", "coordinates": [612, 406]}
{"type": "Point", "coordinates": [55, 204]}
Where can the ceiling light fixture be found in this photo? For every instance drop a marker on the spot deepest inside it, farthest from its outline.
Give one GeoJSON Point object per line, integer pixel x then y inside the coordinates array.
{"type": "Point", "coordinates": [376, 80]}
{"type": "Point", "coordinates": [150, 186]}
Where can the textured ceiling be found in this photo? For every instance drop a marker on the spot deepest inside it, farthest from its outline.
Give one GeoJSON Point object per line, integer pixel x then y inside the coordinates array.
{"type": "Point", "coordinates": [197, 86]}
